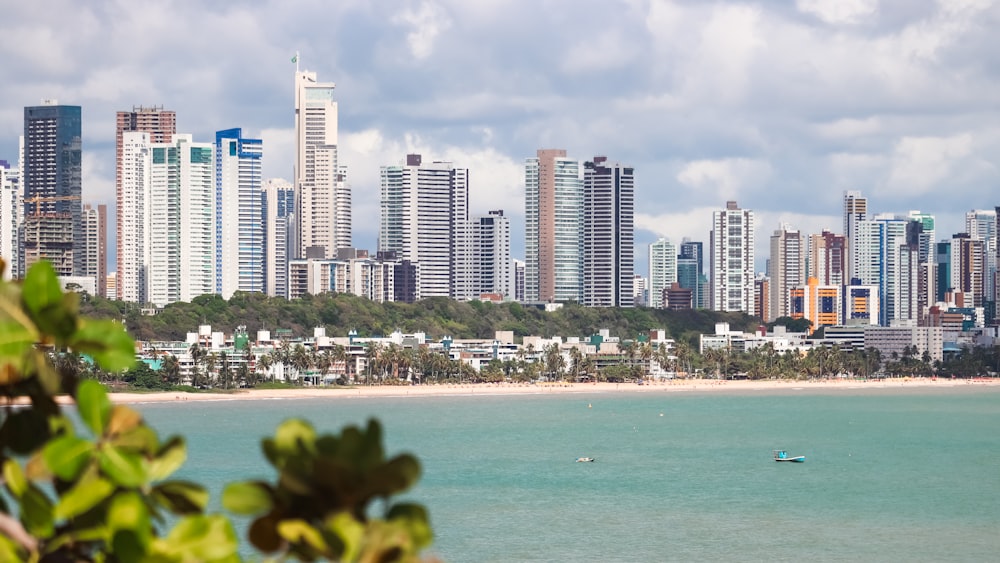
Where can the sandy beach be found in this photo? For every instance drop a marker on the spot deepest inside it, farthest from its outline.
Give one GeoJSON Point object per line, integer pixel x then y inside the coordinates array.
{"type": "Point", "coordinates": [485, 389]}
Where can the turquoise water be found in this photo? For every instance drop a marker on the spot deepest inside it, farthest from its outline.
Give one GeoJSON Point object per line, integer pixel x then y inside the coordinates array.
{"type": "Point", "coordinates": [891, 474]}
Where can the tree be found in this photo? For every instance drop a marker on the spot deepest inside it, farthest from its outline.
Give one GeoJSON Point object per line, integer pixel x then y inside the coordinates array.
{"type": "Point", "coordinates": [100, 490]}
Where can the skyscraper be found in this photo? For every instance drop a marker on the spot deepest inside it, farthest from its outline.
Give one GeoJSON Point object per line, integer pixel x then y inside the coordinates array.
{"type": "Point", "coordinates": [422, 206]}
{"type": "Point", "coordinates": [51, 176]}
{"type": "Point", "coordinates": [166, 249]}
{"type": "Point", "coordinates": [691, 272]}
{"type": "Point", "coordinates": [483, 263]}
{"type": "Point", "coordinates": [662, 270]}
{"type": "Point", "coordinates": [161, 126]}
{"type": "Point", "coordinates": [11, 210]}
{"type": "Point", "coordinates": [323, 207]}
{"type": "Point", "coordinates": [239, 217]}
{"type": "Point", "coordinates": [881, 257]}
{"type": "Point", "coordinates": [553, 220]}
{"type": "Point", "coordinates": [855, 210]}
{"type": "Point", "coordinates": [95, 233]}
{"type": "Point", "coordinates": [279, 231]}
{"type": "Point", "coordinates": [982, 224]}
{"type": "Point", "coordinates": [787, 270]}
{"type": "Point", "coordinates": [732, 259]}
{"type": "Point", "coordinates": [608, 234]}
{"type": "Point", "coordinates": [828, 258]}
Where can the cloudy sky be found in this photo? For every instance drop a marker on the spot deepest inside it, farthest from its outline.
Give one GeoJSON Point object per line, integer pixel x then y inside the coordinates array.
{"type": "Point", "coordinates": [781, 105]}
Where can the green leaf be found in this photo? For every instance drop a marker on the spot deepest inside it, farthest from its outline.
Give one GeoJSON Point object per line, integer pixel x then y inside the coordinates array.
{"type": "Point", "coordinates": [36, 512]}
{"type": "Point", "coordinates": [13, 477]}
{"type": "Point", "coordinates": [247, 498]}
{"type": "Point", "coordinates": [15, 336]}
{"type": "Point", "coordinates": [415, 520]}
{"type": "Point", "coordinates": [181, 497]}
{"type": "Point", "coordinates": [43, 298]}
{"type": "Point", "coordinates": [85, 495]}
{"type": "Point", "coordinates": [123, 419]}
{"type": "Point", "coordinates": [294, 435]}
{"type": "Point", "coordinates": [25, 430]}
{"type": "Point", "coordinates": [9, 551]}
{"type": "Point", "coordinates": [66, 456]}
{"type": "Point", "coordinates": [107, 342]}
{"type": "Point", "coordinates": [94, 406]}
{"type": "Point", "coordinates": [128, 519]}
{"type": "Point", "coordinates": [140, 439]}
{"type": "Point", "coordinates": [350, 532]}
{"type": "Point", "coordinates": [201, 538]}
{"type": "Point", "coordinates": [300, 532]}
{"type": "Point", "coordinates": [124, 468]}
{"type": "Point", "coordinates": [169, 459]}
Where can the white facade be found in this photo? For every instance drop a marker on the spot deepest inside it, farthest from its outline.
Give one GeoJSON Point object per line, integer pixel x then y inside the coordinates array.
{"type": "Point", "coordinates": [421, 207]}
{"type": "Point", "coordinates": [11, 208]}
{"type": "Point", "coordinates": [982, 224]}
{"type": "Point", "coordinates": [323, 209]}
{"type": "Point", "coordinates": [279, 230]}
{"type": "Point", "coordinates": [239, 229]}
{"type": "Point", "coordinates": [483, 264]}
{"type": "Point", "coordinates": [136, 169]}
{"type": "Point", "coordinates": [787, 270]}
{"type": "Point", "coordinates": [732, 259]}
{"type": "Point", "coordinates": [166, 246]}
{"type": "Point", "coordinates": [662, 269]}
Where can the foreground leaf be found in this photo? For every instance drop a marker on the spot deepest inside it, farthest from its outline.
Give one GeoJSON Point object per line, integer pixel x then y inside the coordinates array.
{"type": "Point", "coordinates": [93, 405]}
{"type": "Point", "coordinates": [247, 498]}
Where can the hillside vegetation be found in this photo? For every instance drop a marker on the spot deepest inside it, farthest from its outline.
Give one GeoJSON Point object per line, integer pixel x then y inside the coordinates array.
{"type": "Point", "coordinates": [437, 317]}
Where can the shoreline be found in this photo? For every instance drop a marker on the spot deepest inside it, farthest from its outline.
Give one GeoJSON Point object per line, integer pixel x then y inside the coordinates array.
{"type": "Point", "coordinates": [508, 389]}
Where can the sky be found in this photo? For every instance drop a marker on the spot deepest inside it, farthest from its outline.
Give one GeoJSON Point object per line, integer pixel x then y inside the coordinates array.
{"type": "Point", "coordinates": [779, 105]}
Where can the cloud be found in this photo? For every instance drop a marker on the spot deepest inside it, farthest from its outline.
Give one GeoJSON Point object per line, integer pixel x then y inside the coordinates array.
{"type": "Point", "coordinates": [724, 179]}
{"type": "Point", "coordinates": [426, 22]}
{"type": "Point", "coordinates": [919, 164]}
{"type": "Point", "coordinates": [839, 11]}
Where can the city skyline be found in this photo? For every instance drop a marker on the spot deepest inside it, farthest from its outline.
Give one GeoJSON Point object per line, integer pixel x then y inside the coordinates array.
{"type": "Point", "coordinates": [779, 106]}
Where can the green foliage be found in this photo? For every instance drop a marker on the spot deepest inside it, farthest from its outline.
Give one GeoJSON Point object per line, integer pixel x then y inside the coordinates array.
{"type": "Point", "coordinates": [437, 317]}
{"type": "Point", "coordinates": [102, 491]}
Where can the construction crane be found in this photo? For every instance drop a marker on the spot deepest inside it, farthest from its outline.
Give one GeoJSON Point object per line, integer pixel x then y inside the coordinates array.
{"type": "Point", "coordinates": [35, 199]}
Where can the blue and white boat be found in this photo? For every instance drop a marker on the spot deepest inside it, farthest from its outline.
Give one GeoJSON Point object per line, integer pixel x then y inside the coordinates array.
{"type": "Point", "coordinates": [782, 455]}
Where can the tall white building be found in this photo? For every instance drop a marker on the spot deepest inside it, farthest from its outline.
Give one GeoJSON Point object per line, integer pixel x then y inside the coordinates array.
{"type": "Point", "coordinates": [167, 240]}
{"type": "Point", "coordinates": [483, 264]}
{"type": "Point", "coordinates": [279, 232]}
{"type": "Point", "coordinates": [787, 269]}
{"type": "Point", "coordinates": [323, 208]}
{"type": "Point", "coordinates": [662, 269]}
{"type": "Point", "coordinates": [239, 217]}
{"type": "Point", "coordinates": [855, 211]}
{"type": "Point", "coordinates": [95, 234]}
{"type": "Point", "coordinates": [553, 220]}
{"type": "Point", "coordinates": [11, 208]}
{"type": "Point", "coordinates": [608, 234]}
{"type": "Point", "coordinates": [732, 259]}
{"type": "Point", "coordinates": [981, 224]}
{"type": "Point", "coordinates": [881, 256]}
{"type": "Point", "coordinates": [422, 206]}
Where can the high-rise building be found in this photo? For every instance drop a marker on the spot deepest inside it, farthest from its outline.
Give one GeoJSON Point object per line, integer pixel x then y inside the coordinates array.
{"type": "Point", "coordinates": [819, 303]}
{"type": "Point", "coordinates": [482, 264]}
{"type": "Point", "coordinates": [422, 206]}
{"type": "Point", "coordinates": [662, 270]}
{"type": "Point", "coordinates": [855, 210]}
{"type": "Point", "coordinates": [967, 258]}
{"type": "Point", "coordinates": [51, 175]}
{"type": "Point", "coordinates": [828, 258]}
{"type": "Point", "coordinates": [691, 272]}
{"type": "Point", "coordinates": [516, 291]}
{"type": "Point", "coordinates": [161, 126]}
{"type": "Point", "coordinates": [608, 233]}
{"type": "Point", "coordinates": [553, 207]}
{"type": "Point", "coordinates": [982, 224]}
{"type": "Point", "coordinates": [239, 214]}
{"type": "Point", "coordinates": [166, 247]}
{"type": "Point", "coordinates": [11, 210]}
{"type": "Point", "coordinates": [787, 270]}
{"type": "Point", "coordinates": [95, 233]}
{"type": "Point", "coordinates": [732, 259]}
{"type": "Point", "coordinates": [878, 259]}
{"type": "Point", "coordinates": [640, 291]}
{"type": "Point", "coordinates": [279, 231]}
{"type": "Point", "coordinates": [323, 206]}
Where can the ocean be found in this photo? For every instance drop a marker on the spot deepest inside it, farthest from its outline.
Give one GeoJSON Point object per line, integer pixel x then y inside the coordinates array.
{"type": "Point", "coordinates": [908, 474]}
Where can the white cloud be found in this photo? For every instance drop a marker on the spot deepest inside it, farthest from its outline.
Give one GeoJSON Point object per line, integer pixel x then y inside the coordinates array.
{"type": "Point", "coordinates": [920, 164]}
{"type": "Point", "coordinates": [426, 22]}
{"type": "Point", "coordinates": [724, 179]}
{"type": "Point", "coordinates": [839, 11]}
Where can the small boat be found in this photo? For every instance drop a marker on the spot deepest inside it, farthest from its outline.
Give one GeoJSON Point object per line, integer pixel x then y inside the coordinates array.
{"type": "Point", "coordinates": [782, 455]}
{"type": "Point", "coordinates": [584, 459]}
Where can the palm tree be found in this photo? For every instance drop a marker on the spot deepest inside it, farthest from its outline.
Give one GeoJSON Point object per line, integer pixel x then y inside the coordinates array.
{"type": "Point", "coordinates": [198, 354]}
{"type": "Point", "coordinates": [300, 361]}
{"type": "Point", "coordinates": [264, 364]}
